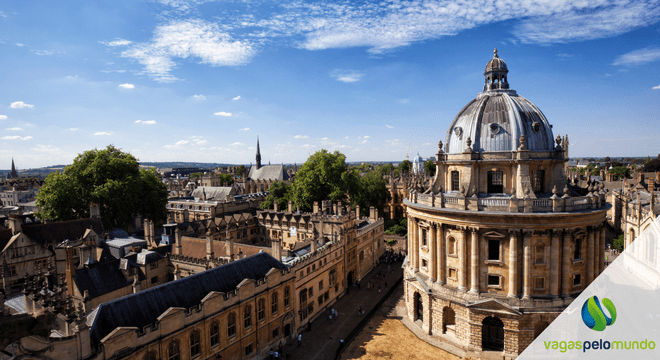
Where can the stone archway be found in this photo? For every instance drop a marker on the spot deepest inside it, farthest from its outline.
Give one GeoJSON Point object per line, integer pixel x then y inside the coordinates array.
{"type": "Point", "coordinates": [448, 321]}
{"type": "Point", "coordinates": [492, 334]}
{"type": "Point", "coordinates": [419, 307]}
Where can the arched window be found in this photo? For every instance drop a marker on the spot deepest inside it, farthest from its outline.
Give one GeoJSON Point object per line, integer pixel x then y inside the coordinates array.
{"type": "Point", "coordinates": [150, 355]}
{"type": "Point", "coordinates": [195, 348]}
{"type": "Point", "coordinates": [215, 333]}
{"type": "Point", "coordinates": [273, 303]}
{"type": "Point", "coordinates": [231, 324]}
{"type": "Point", "coordinates": [419, 307]}
{"type": "Point", "coordinates": [577, 249]}
{"type": "Point", "coordinates": [303, 297]}
{"type": "Point", "coordinates": [287, 297]}
{"type": "Point", "coordinates": [247, 317]}
{"type": "Point", "coordinates": [261, 309]}
{"type": "Point", "coordinates": [495, 182]}
{"type": "Point", "coordinates": [539, 180]}
{"type": "Point", "coordinates": [492, 334]}
{"type": "Point", "coordinates": [173, 351]}
{"type": "Point", "coordinates": [455, 181]}
{"type": "Point", "coordinates": [451, 246]}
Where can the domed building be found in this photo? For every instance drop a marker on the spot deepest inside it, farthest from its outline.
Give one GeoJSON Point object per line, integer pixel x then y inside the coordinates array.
{"type": "Point", "coordinates": [500, 243]}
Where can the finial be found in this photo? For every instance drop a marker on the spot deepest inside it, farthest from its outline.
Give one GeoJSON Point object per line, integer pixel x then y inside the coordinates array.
{"type": "Point", "coordinates": [440, 144]}
{"type": "Point", "coordinates": [495, 53]}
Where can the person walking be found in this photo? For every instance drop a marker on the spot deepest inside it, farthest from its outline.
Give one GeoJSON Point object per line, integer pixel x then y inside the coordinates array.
{"type": "Point", "coordinates": [299, 339]}
{"type": "Point", "coordinates": [330, 318]}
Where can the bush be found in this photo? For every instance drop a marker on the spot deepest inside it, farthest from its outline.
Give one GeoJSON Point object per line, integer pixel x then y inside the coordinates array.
{"type": "Point", "coordinates": [618, 242]}
{"type": "Point", "coordinates": [390, 242]}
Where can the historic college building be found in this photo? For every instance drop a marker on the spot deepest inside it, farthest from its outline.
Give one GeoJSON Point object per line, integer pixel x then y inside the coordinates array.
{"type": "Point", "coordinates": [500, 242]}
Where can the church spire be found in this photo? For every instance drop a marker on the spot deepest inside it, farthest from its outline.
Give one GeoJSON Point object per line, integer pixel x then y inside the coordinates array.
{"type": "Point", "coordinates": [14, 173]}
{"type": "Point", "coordinates": [258, 155]}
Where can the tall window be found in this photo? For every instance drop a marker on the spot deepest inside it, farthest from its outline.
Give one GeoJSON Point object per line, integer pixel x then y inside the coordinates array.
{"type": "Point", "coordinates": [231, 324]}
{"type": "Point", "coordinates": [247, 317]}
{"type": "Point", "coordinates": [455, 181]}
{"type": "Point", "coordinates": [261, 309]}
{"type": "Point", "coordinates": [495, 182]}
{"type": "Point", "coordinates": [215, 333]}
{"type": "Point", "coordinates": [425, 240]}
{"type": "Point", "coordinates": [173, 351]}
{"type": "Point", "coordinates": [577, 251]}
{"type": "Point", "coordinates": [539, 177]}
{"type": "Point", "coordinates": [273, 303]}
{"type": "Point", "coordinates": [195, 348]}
{"type": "Point", "coordinates": [287, 297]}
{"type": "Point", "coordinates": [494, 250]}
{"type": "Point", "coordinates": [451, 246]}
{"type": "Point", "coordinates": [540, 253]}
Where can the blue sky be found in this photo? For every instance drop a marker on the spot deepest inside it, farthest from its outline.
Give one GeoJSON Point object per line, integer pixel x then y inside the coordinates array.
{"type": "Point", "coordinates": [178, 80]}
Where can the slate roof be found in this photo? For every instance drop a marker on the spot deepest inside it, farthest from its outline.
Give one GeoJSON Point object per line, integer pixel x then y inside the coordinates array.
{"type": "Point", "coordinates": [268, 172]}
{"type": "Point", "coordinates": [218, 193]}
{"type": "Point", "coordinates": [62, 230]}
{"type": "Point", "coordinates": [144, 308]}
{"type": "Point", "coordinates": [196, 248]}
{"type": "Point", "coordinates": [101, 278]}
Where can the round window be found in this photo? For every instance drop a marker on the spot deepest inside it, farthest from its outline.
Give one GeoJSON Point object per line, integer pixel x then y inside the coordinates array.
{"type": "Point", "coordinates": [458, 131]}
{"type": "Point", "coordinates": [536, 126]}
{"type": "Point", "coordinates": [494, 128]}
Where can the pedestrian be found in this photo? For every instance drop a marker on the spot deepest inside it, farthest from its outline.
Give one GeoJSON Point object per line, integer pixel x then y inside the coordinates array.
{"type": "Point", "coordinates": [330, 318]}
{"type": "Point", "coordinates": [276, 355]}
{"type": "Point", "coordinates": [385, 284]}
{"type": "Point", "coordinates": [379, 289]}
{"type": "Point", "coordinates": [272, 354]}
{"type": "Point", "coordinates": [360, 311]}
{"type": "Point", "coordinates": [389, 269]}
{"type": "Point", "coordinates": [299, 339]}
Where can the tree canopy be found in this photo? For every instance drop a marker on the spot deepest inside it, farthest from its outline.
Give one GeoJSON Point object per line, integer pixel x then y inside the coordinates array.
{"type": "Point", "coordinates": [278, 192]}
{"type": "Point", "coordinates": [405, 166]}
{"type": "Point", "coordinates": [652, 165]}
{"type": "Point", "coordinates": [429, 166]}
{"type": "Point", "coordinates": [110, 178]}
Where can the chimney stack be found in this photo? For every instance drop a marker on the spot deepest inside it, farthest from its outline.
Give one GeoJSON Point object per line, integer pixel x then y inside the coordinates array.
{"type": "Point", "coordinates": [315, 207]}
{"type": "Point", "coordinates": [357, 212]}
{"type": "Point", "coordinates": [373, 213]}
{"type": "Point", "coordinates": [15, 223]}
{"type": "Point", "coordinates": [275, 206]}
{"type": "Point", "coordinates": [209, 245]}
{"type": "Point", "coordinates": [70, 270]}
{"type": "Point", "coordinates": [94, 211]}
{"type": "Point", "coordinates": [230, 247]}
{"type": "Point", "coordinates": [290, 206]}
{"type": "Point", "coordinates": [276, 249]}
{"type": "Point", "coordinates": [177, 241]}
{"type": "Point", "coordinates": [340, 209]}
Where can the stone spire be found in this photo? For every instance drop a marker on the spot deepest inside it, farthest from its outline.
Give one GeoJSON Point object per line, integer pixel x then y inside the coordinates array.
{"type": "Point", "coordinates": [14, 173]}
{"type": "Point", "coordinates": [258, 155]}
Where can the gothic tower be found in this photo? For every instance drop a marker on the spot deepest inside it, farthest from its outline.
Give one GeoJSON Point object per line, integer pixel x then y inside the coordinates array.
{"type": "Point", "coordinates": [14, 173]}
{"type": "Point", "coordinates": [258, 155]}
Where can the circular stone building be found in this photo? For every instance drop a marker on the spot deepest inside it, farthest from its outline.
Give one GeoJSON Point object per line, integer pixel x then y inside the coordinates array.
{"type": "Point", "coordinates": [500, 243]}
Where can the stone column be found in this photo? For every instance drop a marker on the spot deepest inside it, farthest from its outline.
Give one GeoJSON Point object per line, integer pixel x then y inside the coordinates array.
{"type": "Point", "coordinates": [462, 259]}
{"type": "Point", "coordinates": [433, 253]}
{"type": "Point", "coordinates": [513, 263]}
{"type": "Point", "coordinates": [597, 254]}
{"type": "Point", "coordinates": [555, 267]}
{"type": "Point", "coordinates": [527, 263]}
{"type": "Point", "coordinates": [415, 249]}
{"type": "Point", "coordinates": [409, 243]}
{"type": "Point", "coordinates": [566, 264]}
{"type": "Point", "coordinates": [474, 261]}
{"type": "Point", "coordinates": [441, 254]}
{"type": "Point", "coordinates": [602, 250]}
{"type": "Point", "coordinates": [589, 256]}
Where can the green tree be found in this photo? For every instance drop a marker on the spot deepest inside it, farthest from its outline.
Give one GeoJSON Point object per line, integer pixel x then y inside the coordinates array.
{"type": "Point", "coordinates": [226, 178]}
{"type": "Point", "coordinates": [110, 178]}
{"type": "Point", "coordinates": [429, 165]}
{"type": "Point", "coordinates": [324, 176]}
{"type": "Point", "coordinates": [278, 192]}
{"type": "Point", "coordinates": [242, 171]}
{"type": "Point", "coordinates": [621, 172]}
{"type": "Point", "coordinates": [195, 175]}
{"type": "Point", "coordinates": [385, 169]}
{"type": "Point", "coordinates": [652, 165]}
{"type": "Point", "coordinates": [370, 190]}
{"type": "Point", "coordinates": [618, 241]}
{"type": "Point", "coordinates": [405, 166]}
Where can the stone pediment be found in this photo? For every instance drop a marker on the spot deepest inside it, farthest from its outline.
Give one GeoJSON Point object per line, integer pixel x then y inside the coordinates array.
{"type": "Point", "coordinates": [494, 234]}
{"type": "Point", "coordinates": [493, 305]}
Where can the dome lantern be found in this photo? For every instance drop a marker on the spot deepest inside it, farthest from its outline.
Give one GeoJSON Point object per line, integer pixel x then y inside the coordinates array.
{"type": "Point", "coordinates": [495, 74]}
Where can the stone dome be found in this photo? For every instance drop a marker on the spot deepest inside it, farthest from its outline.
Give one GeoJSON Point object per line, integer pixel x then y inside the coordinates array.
{"type": "Point", "coordinates": [496, 119]}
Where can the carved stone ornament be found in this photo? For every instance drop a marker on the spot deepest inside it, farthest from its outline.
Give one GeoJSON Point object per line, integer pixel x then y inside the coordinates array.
{"type": "Point", "coordinates": [458, 131]}
{"type": "Point", "coordinates": [522, 142]}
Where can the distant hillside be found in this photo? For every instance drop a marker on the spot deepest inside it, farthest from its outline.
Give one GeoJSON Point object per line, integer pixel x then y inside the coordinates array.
{"type": "Point", "coordinates": [179, 164]}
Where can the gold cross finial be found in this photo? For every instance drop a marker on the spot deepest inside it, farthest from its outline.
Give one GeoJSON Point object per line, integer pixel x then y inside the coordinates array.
{"type": "Point", "coordinates": [495, 52]}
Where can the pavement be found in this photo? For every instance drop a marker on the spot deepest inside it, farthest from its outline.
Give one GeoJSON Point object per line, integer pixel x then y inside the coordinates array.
{"type": "Point", "coordinates": [322, 342]}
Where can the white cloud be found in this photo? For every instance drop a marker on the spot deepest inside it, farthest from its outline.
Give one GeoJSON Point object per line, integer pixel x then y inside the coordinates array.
{"type": "Point", "coordinates": [244, 129]}
{"type": "Point", "coordinates": [236, 144]}
{"type": "Point", "coordinates": [43, 52]}
{"type": "Point", "coordinates": [112, 71]}
{"type": "Point", "coordinates": [199, 97]}
{"type": "Point", "coordinates": [347, 76]}
{"type": "Point", "coordinates": [127, 86]}
{"type": "Point", "coordinates": [403, 101]}
{"type": "Point", "coordinates": [20, 105]}
{"type": "Point", "coordinates": [346, 137]}
{"type": "Point", "coordinates": [146, 122]}
{"type": "Point", "coordinates": [16, 137]}
{"type": "Point", "coordinates": [181, 142]}
{"type": "Point", "coordinates": [118, 42]}
{"type": "Point", "coordinates": [366, 137]}
{"type": "Point", "coordinates": [301, 137]}
{"type": "Point", "coordinates": [639, 56]}
{"type": "Point", "coordinates": [74, 129]}
{"type": "Point", "coordinates": [45, 148]}
{"type": "Point", "coordinates": [389, 126]}
{"type": "Point", "coordinates": [20, 45]}
{"type": "Point", "coordinates": [198, 140]}
{"type": "Point", "coordinates": [188, 39]}
{"type": "Point", "coordinates": [656, 87]}
{"type": "Point", "coordinates": [14, 129]}
{"type": "Point", "coordinates": [102, 133]}
{"type": "Point", "coordinates": [222, 113]}
{"type": "Point", "coordinates": [3, 117]}
{"type": "Point", "coordinates": [236, 98]}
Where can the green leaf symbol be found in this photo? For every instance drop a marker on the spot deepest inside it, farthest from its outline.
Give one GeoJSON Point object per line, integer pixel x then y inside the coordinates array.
{"type": "Point", "coordinates": [597, 314]}
{"type": "Point", "coordinates": [609, 305]}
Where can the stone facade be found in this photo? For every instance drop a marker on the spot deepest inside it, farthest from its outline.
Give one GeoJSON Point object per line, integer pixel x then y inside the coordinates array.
{"type": "Point", "coordinates": [499, 242]}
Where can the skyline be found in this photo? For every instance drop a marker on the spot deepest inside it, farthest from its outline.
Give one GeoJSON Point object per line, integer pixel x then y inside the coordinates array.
{"type": "Point", "coordinates": [198, 81]}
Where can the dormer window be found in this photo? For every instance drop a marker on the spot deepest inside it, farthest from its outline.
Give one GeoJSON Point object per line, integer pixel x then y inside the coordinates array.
{"type": "Point", "coordinates": [495, 182]}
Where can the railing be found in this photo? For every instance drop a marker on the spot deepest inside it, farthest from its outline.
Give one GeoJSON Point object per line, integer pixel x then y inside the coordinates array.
{"type": "Point", "coordinates": [505, 204]}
